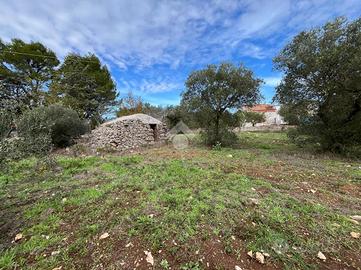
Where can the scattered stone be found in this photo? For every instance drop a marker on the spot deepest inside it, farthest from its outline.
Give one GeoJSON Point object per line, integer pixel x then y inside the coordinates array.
{"type": "Point", "coordinates": [230, 156]}
{"type": "Point", "coordinates": [250, 253]}
{"type": "Point", "coordinates": [356, 217]}
{"type": "Point", "coordinates": [151, 215]}
{"type": "Point", "coordinates": [54, 253]}
{"type": "Point", "coordinates": [129, 245]}
{"type": "Point", "coordinates": [313, 191]}
{"type": "Point", "coordinates": [64, 200]}
{"type": "Point", "coordinates": [354, 221]}
{"type": "Point", "coordinates": [355, 235]}
{"type": "Point", "coordinates": [233, 237]}
{"type": "Point", "coordinates": [149, 257]}
{"type": "Point", "coordinates": [58, 268]}
{"type": "Point", "coordinates": [260, 257]}
{"type": "Point", "coordinates": [266, 254]}
{"type": "Point", "coordinates": [321, 256]}
{"type": "Point", "coordinates": [254, 201]}
{"type": "Point", "coordinates": [237, 268]}
{"type": "Point", "coordinates": [103, 236]}
{"type": "Point", "coordinates": [18, 237]}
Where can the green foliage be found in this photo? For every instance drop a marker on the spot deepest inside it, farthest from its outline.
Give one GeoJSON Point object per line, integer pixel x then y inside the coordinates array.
{"type": "Point", "coordinates": [41, 128]}
{"type": "Point", "coordinates": [84, 85]}
{"type": "Point", "coordinates": [65, 125]}
{"type": "Point", "coordinates": [25, 69]}
{"type": "Point", "coordinates": [215, 90]}
{"type": "Point", "coordinates": [130, 104]}
{"type": "Point", "coordinates": [322, 83]}
{"type": "Point", "coordinates": [254, 117]}
{"type": "Point", "coordinates": [6, 123]}
{"type": "Point", "coordinates": [34, 128]}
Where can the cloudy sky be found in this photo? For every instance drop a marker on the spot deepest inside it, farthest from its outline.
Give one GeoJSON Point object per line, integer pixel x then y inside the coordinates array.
{"type": "Point", "coordinates": [151, 46]}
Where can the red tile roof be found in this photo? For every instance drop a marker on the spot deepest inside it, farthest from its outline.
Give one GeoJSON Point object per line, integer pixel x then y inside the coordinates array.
{"type": "Point", "coordinates": [261, 108]}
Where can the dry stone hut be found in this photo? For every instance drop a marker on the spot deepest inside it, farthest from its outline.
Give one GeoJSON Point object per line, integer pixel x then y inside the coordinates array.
{"type": "Point", "coordinates": [129, 132]}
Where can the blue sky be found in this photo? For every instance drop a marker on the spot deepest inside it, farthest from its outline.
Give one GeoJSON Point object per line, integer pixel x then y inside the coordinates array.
{"type": "Point", "coordinates": [150, 46]}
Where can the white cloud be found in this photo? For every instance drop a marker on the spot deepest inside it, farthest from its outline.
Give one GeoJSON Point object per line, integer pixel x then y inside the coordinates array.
{"type": "Point", "coordinates": [272, 81]}
{"type": "Point", "coordinates": [141, 35]}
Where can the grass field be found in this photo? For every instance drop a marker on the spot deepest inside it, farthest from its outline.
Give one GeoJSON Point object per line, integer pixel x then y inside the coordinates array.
{"type": "Point", "coordinates": [192, 209]}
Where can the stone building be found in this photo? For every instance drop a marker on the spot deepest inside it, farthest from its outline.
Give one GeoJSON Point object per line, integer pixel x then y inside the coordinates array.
{"type": "Point", "coordinates": [129, 132]}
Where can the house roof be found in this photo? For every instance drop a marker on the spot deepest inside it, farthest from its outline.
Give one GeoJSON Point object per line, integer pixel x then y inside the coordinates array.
{"type": "Point", "coordinates": [261, 108]}
{"type": "Point", "coordinates": [147, 119]}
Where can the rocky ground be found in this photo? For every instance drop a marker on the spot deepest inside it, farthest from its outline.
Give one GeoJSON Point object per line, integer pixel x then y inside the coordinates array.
{"type": "Point", "coordinates": [266, 205]}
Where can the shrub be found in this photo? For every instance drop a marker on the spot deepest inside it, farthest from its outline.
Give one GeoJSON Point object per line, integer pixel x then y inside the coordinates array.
{"type": "Point", "coordinates": [65, 125]}
{"type": "Point", "coordinates": [60, 124]}
{"type": "Point", "coordinates": [34, 128]}
{"type": "Point", "coordinates": [6, 123]}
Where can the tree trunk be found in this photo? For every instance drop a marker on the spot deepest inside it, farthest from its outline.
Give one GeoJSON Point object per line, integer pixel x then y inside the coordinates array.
{"type": "Point", "coordinates": [217, 128]}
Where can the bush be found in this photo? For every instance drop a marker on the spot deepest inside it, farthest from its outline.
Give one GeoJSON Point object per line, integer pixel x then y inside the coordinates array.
{"type": "Point", "coordinates": [227, 138]}
{"type": "Point", "coordinates": [65, 125]}
{"type": "Point", "coordinates": [34, 128]}
{"type": "Point", "coordinates": [6, 123]}
{"type": "Point", "coordinates": [61, 125]}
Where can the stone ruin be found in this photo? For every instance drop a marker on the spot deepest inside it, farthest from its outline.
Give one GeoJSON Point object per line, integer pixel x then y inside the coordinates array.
{"type": "Point", "coordinates": [129, 132]}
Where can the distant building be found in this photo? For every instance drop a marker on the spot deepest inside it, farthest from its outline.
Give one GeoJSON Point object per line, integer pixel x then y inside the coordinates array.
{"type": "Point", "coordinates": [271, 113]}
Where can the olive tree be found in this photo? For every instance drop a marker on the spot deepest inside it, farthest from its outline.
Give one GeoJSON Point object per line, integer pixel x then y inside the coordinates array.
{"type": "Point", "coordinates": [212, 93]}
{"type": "Point", "coordinates": [322, 83]}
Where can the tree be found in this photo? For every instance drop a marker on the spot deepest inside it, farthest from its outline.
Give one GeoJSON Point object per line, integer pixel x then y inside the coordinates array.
{"type": "Point", "coordinates": [323, 81]}
{"type": "Point", "coordinates": [84, 85]}
{"type": "Point", "coordinates": [254, 118]}
{"type": "Point", "coordinates": [130, 104]}
{"type": "Point", "coordinates": [214, 91]}
{"type": "Point", "coordinates": [25, 71]}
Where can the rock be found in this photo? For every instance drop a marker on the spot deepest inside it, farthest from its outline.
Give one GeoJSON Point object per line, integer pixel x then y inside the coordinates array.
{"type": "Point", "coordinates": [260, 257]}
{"type": "Point", "coordinates": [356, 217]}
{"type": "Point", "coordinates": [18, 237]}
{"type": "Point", "coordinates": [355, 235]}
{"type": "Point", "coordinates": [354, 221]}
{"type": "Point", "coordinates": [129, 245]}
{"type": "Point", "coordinates": [237, 268]}
{"type": "Point", "coordinates": [321, 256]}
{"type": "Point", "coordinates": [149, 257]}
{"type": "Point", "coordinates": [230, 156]}
{"type": "Point", "coordinates": [104, 235]}
{"type": "Point", "coordinates": [250, 253]}
{"type": "Point", "coordinates": [254, 201]}
{"type": "Point", "coordinates": [266, 254]}
{"type": "Point", "coordinates": [54, 253]}
{"type": "Point", "coordinates": [58, 268]}
{"type": "Point", "coordinates": [64, 200]}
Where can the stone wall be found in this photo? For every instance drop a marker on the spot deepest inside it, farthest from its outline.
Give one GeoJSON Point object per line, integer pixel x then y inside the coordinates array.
{"type": "Point", "coordinates": [127, 134]}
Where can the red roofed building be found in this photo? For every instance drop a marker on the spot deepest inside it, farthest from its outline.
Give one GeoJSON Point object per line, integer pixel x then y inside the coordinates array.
{"type": "Point", "coordinates": [261, 108]}
{"type": "Point", "coordinates": [271, 114]}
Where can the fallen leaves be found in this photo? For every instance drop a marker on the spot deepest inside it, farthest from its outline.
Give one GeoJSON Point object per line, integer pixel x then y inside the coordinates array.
{"type": "Point", "coordinates": [356, 217]}
{"type": "Point", "coordinates": [104, 236]}
{"type": "Point", "coordinates": [259, 256]}
{"type": "Point", "coordinates": [18, 237]}
{"type": "Point", "coordinates": [149, 257]}
{"type": "Point", "coordinates": [321, 256]}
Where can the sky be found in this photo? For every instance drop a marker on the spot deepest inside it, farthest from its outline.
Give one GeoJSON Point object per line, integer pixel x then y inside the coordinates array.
{"type": "Point", "coordinates": [150, 46]}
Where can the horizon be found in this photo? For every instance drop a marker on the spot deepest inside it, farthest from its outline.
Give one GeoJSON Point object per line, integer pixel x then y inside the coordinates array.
{"type": "Point", "coordinates": [151, 47]}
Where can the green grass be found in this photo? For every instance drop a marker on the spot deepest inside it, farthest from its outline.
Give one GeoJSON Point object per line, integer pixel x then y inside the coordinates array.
{"type": "Point", "coordinates": [193, 197]}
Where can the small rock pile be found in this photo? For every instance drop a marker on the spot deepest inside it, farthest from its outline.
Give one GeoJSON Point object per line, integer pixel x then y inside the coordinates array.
{"type": "Point", "coordinates": [128, 132]}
